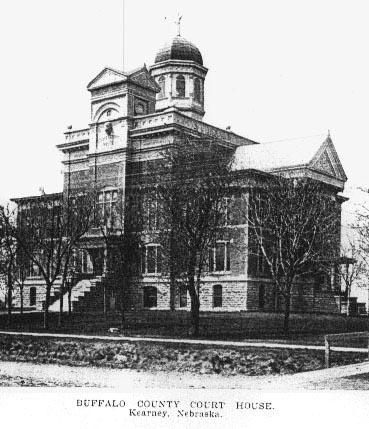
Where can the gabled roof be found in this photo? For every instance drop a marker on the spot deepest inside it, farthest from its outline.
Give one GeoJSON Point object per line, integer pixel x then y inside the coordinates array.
{"type": "Point", "coordinates": [143, 77]}
{"type": "Point", "coordinates": [109, 76]}
{"type": "Point", "coordinates": [106, 77]}
{"type": "Point", "coordinates": [314, 152]}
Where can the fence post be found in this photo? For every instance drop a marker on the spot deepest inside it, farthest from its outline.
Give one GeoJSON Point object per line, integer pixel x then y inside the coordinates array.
{"type": "Point", "coordinates": [327, 351]}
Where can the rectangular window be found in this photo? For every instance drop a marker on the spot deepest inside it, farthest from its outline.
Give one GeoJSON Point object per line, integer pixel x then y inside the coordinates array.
{"type": "Point", "coordinates": [227, 210]}
{"type": "Point", "coordinates": [150, 297]}
{"type": "Point", "coordinates": [106, 208]}
{"type": "Point", "coordinates": [182, 296]}
{"type": "Point", "coordinates": [217, 296]}
{"type": "Point", "coordinates": [151, 259]}
{"type": "Point", "coordinates": [32, 296]}
{"type": "Point", "coordinates": [33, 269]}
{"type": "Point", "coordinates": [151, 211]}
{"type": "Point", "coordinates": [261, 296]}
{"type": "Point", "coordinates": [219, 257]}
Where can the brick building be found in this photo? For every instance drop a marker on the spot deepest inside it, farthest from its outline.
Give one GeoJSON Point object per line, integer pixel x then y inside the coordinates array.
{"type": "Point", "coordinates": [134, 116]}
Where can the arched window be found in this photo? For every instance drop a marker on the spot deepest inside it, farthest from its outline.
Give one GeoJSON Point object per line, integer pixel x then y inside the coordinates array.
{"type": "Point", "coordinates": [150, 297]}
{"type": "Point", "coordinates": [217, 296]}
{"type": "Point", "coordinates": [32, 296]}
{"type": "Point", "coordinates": [197, 90]}
{"type": "Point", "coordinates": [181, 86]}
{"type": "Point", "coordinates": [161, 82]}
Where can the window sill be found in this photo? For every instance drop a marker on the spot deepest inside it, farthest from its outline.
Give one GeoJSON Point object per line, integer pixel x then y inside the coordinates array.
{"type": "Point", "coordinates": [150, 274]}
{"type": "Point", "coordinates": [219, 273]}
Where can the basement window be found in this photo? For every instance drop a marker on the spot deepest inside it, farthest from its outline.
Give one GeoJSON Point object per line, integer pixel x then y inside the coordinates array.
{"type": "Point", "coordinates": [150, 297]}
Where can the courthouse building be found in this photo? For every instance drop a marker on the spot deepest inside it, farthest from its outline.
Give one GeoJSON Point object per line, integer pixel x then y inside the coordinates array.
{"type": "Point", "coordinates": [134, 116]}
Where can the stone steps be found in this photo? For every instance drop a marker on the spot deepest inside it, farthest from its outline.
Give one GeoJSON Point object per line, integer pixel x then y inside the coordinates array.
{"type": "Point", "coordinates": [79, 291]}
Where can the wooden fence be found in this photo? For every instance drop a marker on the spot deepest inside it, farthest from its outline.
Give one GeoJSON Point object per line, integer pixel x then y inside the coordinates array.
{"type": "Point", "coordinates": [349, 335]}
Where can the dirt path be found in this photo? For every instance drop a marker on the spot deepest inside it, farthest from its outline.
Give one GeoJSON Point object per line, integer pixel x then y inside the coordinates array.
{"type": "Point", "coordinates": [28, 374]}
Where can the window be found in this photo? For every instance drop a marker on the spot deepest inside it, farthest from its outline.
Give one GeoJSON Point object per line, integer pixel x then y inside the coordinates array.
{"type": "Point", "coordinates": [83, 262]}
{"type": "Point", "coordinates": [217, 296]}
{"type": "Point", "coordinates": [150, 297]}
{"type": "Point", "coordinates": [181, 86]}
{"type": "Point", "coordinates": [33, 269]}
{"type": "Point", "coordinates": [107, 208]}
{"type": "Point", "coordinates": [182, 296]}
{"type": "Point", "coordinates": [219, 257]}
{"type": "Point", "coordinates": [32, 296]}
{"type": "Point", "coordinates": [151, 213]}
{"type": "Point", "coordinates": [197, 90]}
{"type": "Point", "coordinates": [261, 296]}
{"type": "Point", "coordinates": [227, 207]}
{"type": "Point", "coordinates": [161, 83]}
{"type": "Point", "coordinates": [151, 259]}
{"type": "Point", "coordinates": [260, 261]}
{"type": "Point", "coordinates": [322, 281]}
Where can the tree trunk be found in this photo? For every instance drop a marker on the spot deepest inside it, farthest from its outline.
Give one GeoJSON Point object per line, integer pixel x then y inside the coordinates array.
{"type": "Point", "coordinates": [195, 308]}
{"type": "Point", "coordinates": [10, 296]}
{"type": "Point", "coordinates": [122, 315]}
{"type": "Point", "coordinates": [172, 286]}
{"type": "Point", "coordinates": [61, 304]}
{"type": "Point", "coordinates": [286, 322]}
{"type": "Point", "coordinates": [348, 301]}
{"type": "Point", "coordinates": [47, 303]}
{"type": "Point", "coordinates": [21, 298]}
{"type": "Point", "coordinates": [69, 301]}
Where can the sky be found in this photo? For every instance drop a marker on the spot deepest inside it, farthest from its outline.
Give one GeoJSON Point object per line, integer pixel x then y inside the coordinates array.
{"type": "Point", "coordinates": [278, 69]}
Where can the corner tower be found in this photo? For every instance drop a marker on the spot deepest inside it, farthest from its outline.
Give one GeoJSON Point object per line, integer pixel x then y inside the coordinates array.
{"type": "Point", "coordinates": [180, 74]}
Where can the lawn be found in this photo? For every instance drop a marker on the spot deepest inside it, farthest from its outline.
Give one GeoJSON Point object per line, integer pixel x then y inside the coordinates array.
{"type": "Point", "coordinates": [304, 328]}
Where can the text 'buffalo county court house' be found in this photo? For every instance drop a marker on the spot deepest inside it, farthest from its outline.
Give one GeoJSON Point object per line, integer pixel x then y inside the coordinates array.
{"type": "Point", "coordinates": [134, 116]}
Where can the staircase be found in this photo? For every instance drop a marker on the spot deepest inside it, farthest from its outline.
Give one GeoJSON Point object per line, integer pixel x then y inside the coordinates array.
{"type": "Point", "coordinates": [79, 291]}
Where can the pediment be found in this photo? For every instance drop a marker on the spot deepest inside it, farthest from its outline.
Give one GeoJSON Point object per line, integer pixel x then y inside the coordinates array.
{"type": "Point", "coordinates": [106, 77]}
{"type": "Point", "coordinates": [326, 161]}
{"type": "Point", "coordinates": [144, 78]}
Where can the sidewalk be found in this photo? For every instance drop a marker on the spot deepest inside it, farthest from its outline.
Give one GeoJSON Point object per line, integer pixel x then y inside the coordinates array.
{"type": "Point", "coordinates": [186, 341]}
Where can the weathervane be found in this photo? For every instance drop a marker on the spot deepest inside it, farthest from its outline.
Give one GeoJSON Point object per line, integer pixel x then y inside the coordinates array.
{"type": "Point", "coordinates": [179, 24]}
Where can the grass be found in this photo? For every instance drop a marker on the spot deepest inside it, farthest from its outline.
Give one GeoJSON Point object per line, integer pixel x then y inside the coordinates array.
{"type": "Point", "coordinates": [304, 328]}
{"type": "Point", "coordinates": [187, 358]}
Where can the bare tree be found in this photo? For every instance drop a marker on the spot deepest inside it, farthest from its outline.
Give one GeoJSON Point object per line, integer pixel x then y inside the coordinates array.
{"type": "Point", "coordinates": [353, 269]}
{"type": "Point", "coordinates": [20, 276]}
{"type": "Point", "coordinates": [121, 228]}
{"type": "Point", "coordinates": [190, 188]}
{"type": "Point", "coordinates": [47, 232]}
{"type": "Point", "coordinates": [296, 226]}
{"type": "Point", "coordinates": [8, 250]}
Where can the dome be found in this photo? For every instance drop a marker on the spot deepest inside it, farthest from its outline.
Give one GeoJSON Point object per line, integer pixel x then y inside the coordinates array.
{"type": "Point", "coordinates": [179, 49]}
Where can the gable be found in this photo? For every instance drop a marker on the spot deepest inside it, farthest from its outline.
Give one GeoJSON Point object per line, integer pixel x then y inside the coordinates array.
{"type": "Point", "coordinates": [106, 77]}
{"type": "Point", "coordinates": [324, 164]}
{"type": "Point", "coordinates": [143, 77]}
{"type": "Point", "coordinates": [326, 161]}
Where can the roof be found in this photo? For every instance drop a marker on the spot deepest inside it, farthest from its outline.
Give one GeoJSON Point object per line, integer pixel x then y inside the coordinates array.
{"type": "Point", "coordinates": [279, 154]}
{"type": "Point", "coordinates": [110, 76]}
{"type": "Point", "coordinates": [38, 197]}
{"type": "Point", "coordinates": [179, 49]}
{"type": "Point", "coordinates": [313, 152]}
